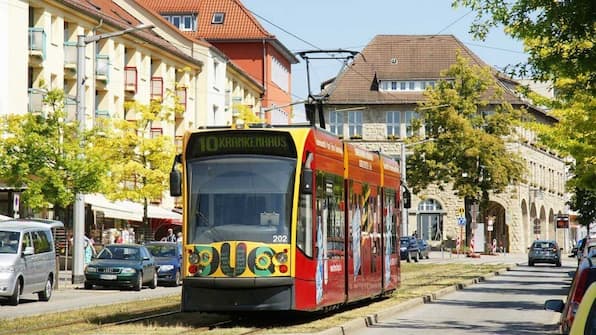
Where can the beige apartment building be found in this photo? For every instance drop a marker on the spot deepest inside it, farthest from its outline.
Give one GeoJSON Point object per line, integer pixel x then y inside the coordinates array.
{"type": "Point", "coordinates": [39, 43]}
{"type": "Point", "coordinates": [372, 103]}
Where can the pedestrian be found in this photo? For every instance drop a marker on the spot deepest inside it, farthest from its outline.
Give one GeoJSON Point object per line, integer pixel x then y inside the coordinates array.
{"type": "Point", "coordinates": [179, 237]}
{"type": "Point", "coordinates": [170, 237]}
{"type": "Point", "coordinates": [88, 251]}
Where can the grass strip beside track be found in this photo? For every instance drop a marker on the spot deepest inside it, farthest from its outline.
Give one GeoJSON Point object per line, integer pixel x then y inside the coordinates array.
{"type": "Point", "coordinates": [418, 280]}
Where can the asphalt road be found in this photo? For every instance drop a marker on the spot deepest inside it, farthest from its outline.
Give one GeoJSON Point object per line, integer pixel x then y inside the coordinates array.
{"type": "Point", "coordinates": [510, 303]}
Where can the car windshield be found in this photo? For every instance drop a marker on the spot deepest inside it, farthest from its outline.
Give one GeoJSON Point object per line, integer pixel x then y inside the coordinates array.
{"type": "Point", "coordinates": [162, 250]}
{"type": "Point", "coordinates": [119, 252]}
{"type": "Point", "coordinates": [240, 198]}
{"type": "Point", "coordinates": [9, 242]}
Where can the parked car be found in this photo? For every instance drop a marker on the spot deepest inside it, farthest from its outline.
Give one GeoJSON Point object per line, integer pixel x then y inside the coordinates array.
{"type": "Point", "coordinates": [168, 257]}
{"type": "Point", "coordinates": [423, 249]}
{"type": "Point", "coordinates": [588, 249]}
{"type": "Point", "coordinates": [408, 248]}
{"type": "Point", "coordinates": [122, 265]}
{"type": "Point", "coordinates": [544, 251]}
{"type": "Point", "coordinates": [584, 277]}
{"type": "Point", "coordinates": [27, 258]}
{"type": "Point", "coordinates": [585, 317]}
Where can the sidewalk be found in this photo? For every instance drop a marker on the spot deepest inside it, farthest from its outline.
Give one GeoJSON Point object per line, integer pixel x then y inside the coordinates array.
{"type": "Point", "coordinates": [65, 281]}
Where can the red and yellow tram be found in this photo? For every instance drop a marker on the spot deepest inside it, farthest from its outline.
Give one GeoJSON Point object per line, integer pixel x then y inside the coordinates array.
{"type": "Point", "coordinates": [285, 219]}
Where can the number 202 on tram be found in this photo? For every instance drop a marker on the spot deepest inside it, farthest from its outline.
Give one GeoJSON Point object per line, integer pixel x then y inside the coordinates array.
{"type": "Point", "coordinates": [287, 218]}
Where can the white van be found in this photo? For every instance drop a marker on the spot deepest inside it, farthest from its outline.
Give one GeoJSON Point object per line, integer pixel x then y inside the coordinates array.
{"type": "Point", "coordinates": [27, 258]}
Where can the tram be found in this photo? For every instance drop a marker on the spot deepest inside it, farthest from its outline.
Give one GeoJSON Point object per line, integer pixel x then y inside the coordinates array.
{"type": "Point", "coordinates": [288, 218]}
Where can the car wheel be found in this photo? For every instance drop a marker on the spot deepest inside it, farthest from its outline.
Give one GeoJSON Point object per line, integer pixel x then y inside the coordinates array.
{"type": "Point", "coordinates": [530, 263]}
{"type": "Point", "coordinates": [558, 264]}
{"type": "Point", "coordinates": [46, 294]}
{"type": "Point", "coordinates": [139, 283]}
{"type": "Point", "coordinates": [16, 295]}
{"type": "Point", "coordinates": [153, 283]}
{"type": "Point", "coordinates": [88, 285]}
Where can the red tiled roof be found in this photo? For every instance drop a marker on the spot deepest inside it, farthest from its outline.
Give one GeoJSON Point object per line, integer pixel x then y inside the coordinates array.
{"type": "Point", "coordinates": [239, 23]}
{"type": "Point", "coordinates": [399, 57]}
{"type": "Point", "coordinates": [110, 13]}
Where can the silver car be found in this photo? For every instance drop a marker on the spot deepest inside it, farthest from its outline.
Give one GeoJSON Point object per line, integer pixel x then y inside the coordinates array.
{"type": "Point", "coordinates": [27, 258]}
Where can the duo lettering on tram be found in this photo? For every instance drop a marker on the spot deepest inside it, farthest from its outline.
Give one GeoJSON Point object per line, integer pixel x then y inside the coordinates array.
{"type": "Point", "coordinates": [216, 143]}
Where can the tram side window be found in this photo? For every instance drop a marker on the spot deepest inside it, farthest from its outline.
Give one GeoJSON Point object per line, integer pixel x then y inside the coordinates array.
{"type": "Point", "coordinates": [330, 207]}
{"type": "Point", "coordinates": [390, 219]}
{"type": "Point", "coordinates": [304, 225]}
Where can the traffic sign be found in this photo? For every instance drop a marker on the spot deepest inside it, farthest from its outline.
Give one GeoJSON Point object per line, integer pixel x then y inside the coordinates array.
{"type": "Point", "coordinates": [461, 211]}
{"type": "Point", "coordinates": [461, 221]}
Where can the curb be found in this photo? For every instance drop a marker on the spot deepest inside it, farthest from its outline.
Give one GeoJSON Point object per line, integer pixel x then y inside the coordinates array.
{"type": "Point", "coordinates": [372, 319]}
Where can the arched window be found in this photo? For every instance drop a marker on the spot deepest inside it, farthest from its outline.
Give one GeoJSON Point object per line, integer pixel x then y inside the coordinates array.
{"type": "Point", "coordinates": [430, 220]}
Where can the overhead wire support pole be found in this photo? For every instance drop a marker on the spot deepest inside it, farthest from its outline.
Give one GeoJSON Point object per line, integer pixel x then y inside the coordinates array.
{"type": "Point", "coordinates": [314, 104]}
{"type": "Point", "coordinates": [78, 225]}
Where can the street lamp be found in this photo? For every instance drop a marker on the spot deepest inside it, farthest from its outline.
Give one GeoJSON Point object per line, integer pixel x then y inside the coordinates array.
{"type": "Point", "coordinates": [79, 204]}
{"type": "Point", "coordinates": [402, 163]}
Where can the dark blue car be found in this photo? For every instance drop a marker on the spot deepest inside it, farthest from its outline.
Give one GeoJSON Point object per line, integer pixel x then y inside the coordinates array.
{"type": "Point", "coordinates": [168, 257]}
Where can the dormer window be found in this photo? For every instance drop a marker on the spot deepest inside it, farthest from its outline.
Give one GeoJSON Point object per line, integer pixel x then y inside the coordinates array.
{"type": "Point", "coordinates": [218, 18]}
{"type": "Point", "coordinates": [184, 22]}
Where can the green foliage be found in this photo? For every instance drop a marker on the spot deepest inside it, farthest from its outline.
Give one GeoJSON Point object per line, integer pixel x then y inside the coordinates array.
{"type": "Point", "coordinates": [560, 38]}
{"type": "Point", "coordinates": [584, 202]}
{"type": "Point", "coordinates": [246, 115]}
{"type": "Point", "coordinates": [41, 152]}
{"type": "Point", "coordinates": [467, 146]}
{"type": "Point", "coordinates": [139, 159]}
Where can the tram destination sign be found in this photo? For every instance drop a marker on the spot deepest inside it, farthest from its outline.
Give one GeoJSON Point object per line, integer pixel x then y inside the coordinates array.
{"type": "Point", "coordinates": [240, 142]}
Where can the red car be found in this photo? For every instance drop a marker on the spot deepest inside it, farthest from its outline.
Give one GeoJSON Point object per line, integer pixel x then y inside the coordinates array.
{"type": "Point", "coordinates": [584, 276]}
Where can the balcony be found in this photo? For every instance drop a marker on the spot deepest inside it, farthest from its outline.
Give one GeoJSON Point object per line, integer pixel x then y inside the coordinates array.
{"type": "Point", "coordinates": [157, 88]}
{"type": "Point", "coordinates": [102, 113]}
{"type": "Point", "coordinates": [102, 71]}
{"type": "Point", "coordinates": [36, 97]}
{"type": "Point", "coordinates": [70, 60]}
{"type": "Point", "coordinates": [130, 79]}
{"type": "Point", "coordinates": [37, 46]}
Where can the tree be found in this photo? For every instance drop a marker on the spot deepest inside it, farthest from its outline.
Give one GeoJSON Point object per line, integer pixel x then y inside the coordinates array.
{"type": "Point", "coordinates": [560, 38]}
{"type": "Point", "coordinates": [139, 155]}
{"type": "Point", "coordinates": [468, 141]}
{"type": "Point", "coordinates": [245, 114]}
{"type": "Point", "coordinates": [41, 153]}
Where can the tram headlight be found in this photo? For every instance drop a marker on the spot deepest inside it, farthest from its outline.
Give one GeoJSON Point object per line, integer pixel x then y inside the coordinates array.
{"type": "Point", "coordinates": [281, 257]}
{"type": "Point", "coordinates": [193, 258]}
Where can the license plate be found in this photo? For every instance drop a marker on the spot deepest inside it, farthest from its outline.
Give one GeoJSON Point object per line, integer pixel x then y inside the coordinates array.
{"type": "Point", "coordinates": [108, 277]}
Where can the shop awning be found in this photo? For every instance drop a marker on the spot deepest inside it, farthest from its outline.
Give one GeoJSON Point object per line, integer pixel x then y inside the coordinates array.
{"type": "Point", "coordinates": [128, 210]}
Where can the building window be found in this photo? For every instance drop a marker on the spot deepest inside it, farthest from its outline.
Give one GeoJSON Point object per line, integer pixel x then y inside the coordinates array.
{"type": "Point", "coordinates": [409, 116]}
{"type": "Point", "coordinates": [218, 18]}
{"type": "Point", "coordinates": [336, 123]}
{"type": "Point", "coordinates": [430, 220]}
{"type": "Point", "coordinates": [355, 124]}
{"type": "Point", "coordinates": [280, 74]}
{"type": "Point", "coordinates": [393, 124]}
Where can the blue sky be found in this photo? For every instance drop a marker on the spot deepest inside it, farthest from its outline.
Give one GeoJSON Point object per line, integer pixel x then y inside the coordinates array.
{"type": "Point", "coordinates": [350, 24]}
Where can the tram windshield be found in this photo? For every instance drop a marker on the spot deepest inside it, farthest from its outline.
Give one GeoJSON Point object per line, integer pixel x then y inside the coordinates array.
{"type": "Point", "coordinates": [240, 198]}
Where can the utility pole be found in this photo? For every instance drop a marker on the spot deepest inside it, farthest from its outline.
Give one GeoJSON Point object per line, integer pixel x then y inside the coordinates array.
{"type": "Point", "coordinates": [79, 205]}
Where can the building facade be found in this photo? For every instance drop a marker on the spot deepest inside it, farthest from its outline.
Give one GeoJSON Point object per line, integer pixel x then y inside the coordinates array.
{"type": "Point", "coordinates": [373, 103]}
